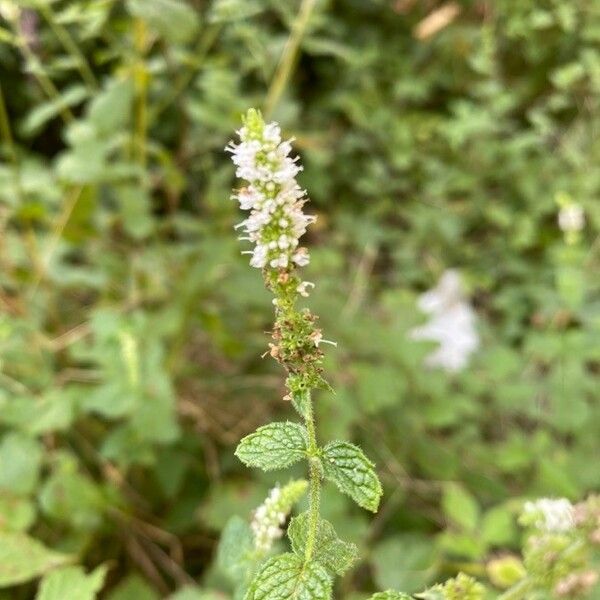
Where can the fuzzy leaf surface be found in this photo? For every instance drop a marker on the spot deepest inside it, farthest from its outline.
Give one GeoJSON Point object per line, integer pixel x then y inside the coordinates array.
{"type": "Point", "coordinates": [353, 473]}
{"type": "Point", "coordinates": [336, 555]}
{"type": "Point", "coordinates": [285, 577]}
{"type": "Point", "coordinates": [273, 446]}
{"type": "Point", "coordinates": [390, 595]}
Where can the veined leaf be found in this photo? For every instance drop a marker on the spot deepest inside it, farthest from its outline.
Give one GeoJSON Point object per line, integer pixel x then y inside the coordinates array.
{"type": "Point", "coordinates": [352, 472]}
{"type": "Point", "coordinates": [286, 577]}
{"type": "Point", "coordinates": [273, 446]}
{"type": "Point", "coordinates": [336, 555]}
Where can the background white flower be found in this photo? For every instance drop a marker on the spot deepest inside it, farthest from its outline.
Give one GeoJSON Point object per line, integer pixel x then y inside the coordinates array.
{"type": "Point", "coordinates": [571, 218]}
{"type": "Point", "coordinates": [452, 324]}
{"type": "Point", "coordinates": [553, 515]}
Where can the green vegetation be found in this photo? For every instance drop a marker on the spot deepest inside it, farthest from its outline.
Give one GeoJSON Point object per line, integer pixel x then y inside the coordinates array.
{"type": "Point", "coordinates": [434, 136]}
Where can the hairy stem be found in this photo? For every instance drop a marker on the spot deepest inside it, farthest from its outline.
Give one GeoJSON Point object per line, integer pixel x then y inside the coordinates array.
{"type": "Point", "coordinates": [314, 480]}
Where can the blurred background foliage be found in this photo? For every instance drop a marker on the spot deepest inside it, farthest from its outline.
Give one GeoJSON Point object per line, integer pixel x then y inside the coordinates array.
{"type": "Point", "coordinates": [434, 135]}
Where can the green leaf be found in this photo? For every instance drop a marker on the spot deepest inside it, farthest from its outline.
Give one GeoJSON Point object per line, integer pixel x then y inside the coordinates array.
{"type": "Point", "coordinates": [46, 111]}
{"type": "Point", "coordinates": [273, 446]}
{"type": "Point", "coordinates": [193, 593]}
{"type": "Point", "coordinates": [404, 562]}
{"type": "Point", "coordinates": [234, 10]}
{"type": "Point", "coordinates": [22, 558]}
{"type": "Point", "coordinates": [133, 587]}
{"type": "Point", "coordinates": [301, 401]}
{"type": "Point", "coordinates": [390, 595]}
{"type": "Point", "coordinates": [352, 472]}
{"type": "Point", "coordinates": [72, 583]}
{"type": "Point", "coordinates": [51, 411]}
{"type": "Point", "coordinates": [336, 555]}
{"type": "Point", "coordinates": [498, 526]}
{"type": "Point", "coordinates": [175, 20]}
{"type": "Point", "coordinates": [235, 546]}
{"type": "Point", "coordinates": [71, 497]}
{"type": "Point", "coordinates": [286, 577]}
{"type": "Point", "coordinates": [20, 462]}
{"type": "Point", "coordinates": [460, 506]}
{"type": "Point", "coordinates": [110, 109]}
{"type": "Point", "coordinates": [16, 513]}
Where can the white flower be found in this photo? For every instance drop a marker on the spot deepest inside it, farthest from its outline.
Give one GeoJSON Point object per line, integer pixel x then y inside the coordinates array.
{"type": "Point", "coordinates": [267, 521]}
{"type": "Point", "coordinates": [452, 324]}
{"type": "Point", "coordinates": [273, 197]}
{"type": "Point", "coordinates": [302, 288]}
{"type": "Point", "coordinates": [553, 515]}
{"type": "Point", "coordinates": [571, 218]}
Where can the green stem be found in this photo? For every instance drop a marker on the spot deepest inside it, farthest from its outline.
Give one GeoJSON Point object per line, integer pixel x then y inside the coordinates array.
{"type": "Point", "coordinates": [34, 67]}
{"type": "Point", "coordinates": [140, 80]}
{"type": "Point", "coordinates": [70, 46]}
{"type": "Point", "coordinates": [314, 480]}
{"type": "Point", "coordinates": [288, 57]}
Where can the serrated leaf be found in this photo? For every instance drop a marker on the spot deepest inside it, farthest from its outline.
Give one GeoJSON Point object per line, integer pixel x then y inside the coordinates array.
{"type": "Point", "coordinates": [273, 446]}
{"type": "Point", "coordinates": [72, 583]}
{"type": "Point", "coordinates": [336, 555]}
{"type": "Point", "coordinates": [23, 558]}
{"type": "Point", "coordinates": [301, 400]}
{"type": "Point", "coordinates": [286, 577]}
{"type": "Point", "coordinates": [352, 472]}
{"type": "Point", "coordinates": [390, 595]}
{"type": "Point", "coordinates": [234, 547]}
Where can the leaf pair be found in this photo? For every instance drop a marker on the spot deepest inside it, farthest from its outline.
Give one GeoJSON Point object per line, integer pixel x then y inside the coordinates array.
{"type": "Point", "coordinates": [291, 576]}
{"type": "Point", "coordinates": [279, 445]}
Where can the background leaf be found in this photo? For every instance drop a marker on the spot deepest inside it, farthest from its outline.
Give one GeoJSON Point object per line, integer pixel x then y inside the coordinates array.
{"type": "Point", "coordinates": [23, 558]}
{"type": "Point", "coordinates": [72, 583]}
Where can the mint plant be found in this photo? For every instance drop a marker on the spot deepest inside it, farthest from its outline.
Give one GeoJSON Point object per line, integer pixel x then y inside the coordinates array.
{"type": "Point", "coordinates": [275, 225]}
{"type": "Point", "coordinates": [556, 559]}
